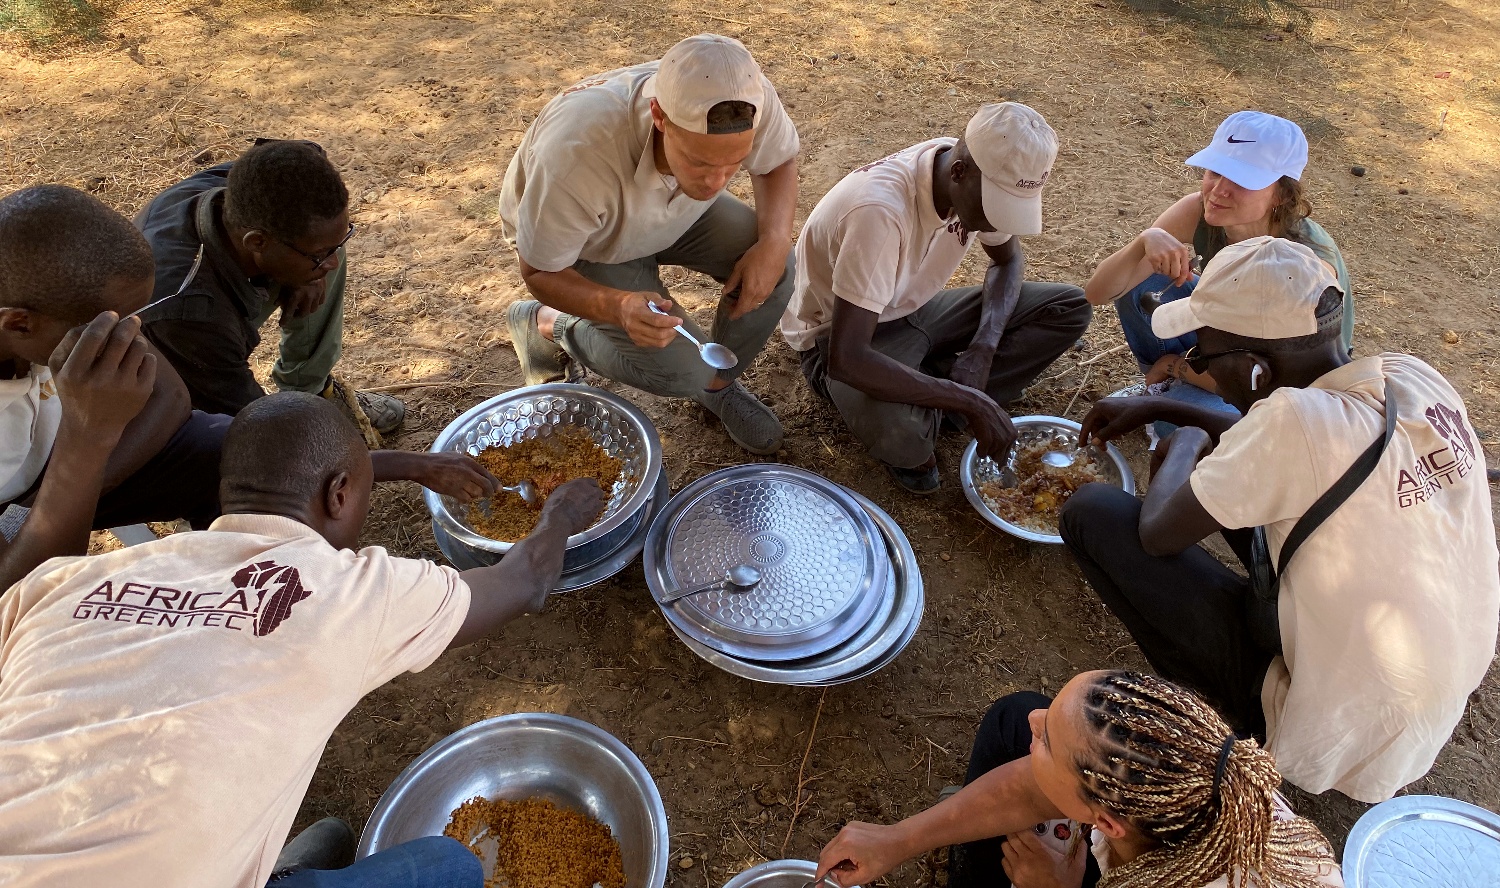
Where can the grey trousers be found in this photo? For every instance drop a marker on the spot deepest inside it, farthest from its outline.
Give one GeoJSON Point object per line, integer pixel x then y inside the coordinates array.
{"type": "Point", "coordinates": [711, 246]}
{"type": "Point", "coordinates": [310, 345]}
{"type": "Point", "coordinates": [1047, 320]}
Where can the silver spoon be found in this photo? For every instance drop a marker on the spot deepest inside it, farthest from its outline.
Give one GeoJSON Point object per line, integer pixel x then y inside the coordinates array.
{"type": "Point", "coordinates": [192, 272]}
{"type": "Point", "coordinates": [525, 490]}
{"type": "Point", "coordinates": [737, 579]}
{"type": "Point", "coordinates": [713, 354]}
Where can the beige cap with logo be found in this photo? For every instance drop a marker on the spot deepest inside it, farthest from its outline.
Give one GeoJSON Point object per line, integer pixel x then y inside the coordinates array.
{"type": "Point", "coordinates": [1014, 148]}
{"type": "Point", "coordinates": [699, 73]}
{"type": "Point", "coordinates": [1265, 288]}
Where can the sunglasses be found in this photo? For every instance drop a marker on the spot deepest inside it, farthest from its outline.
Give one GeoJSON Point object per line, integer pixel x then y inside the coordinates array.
{"type": "Point", "coordinates": [1199, 362]}
{"type": "Point", "coordinates": [319, 258]}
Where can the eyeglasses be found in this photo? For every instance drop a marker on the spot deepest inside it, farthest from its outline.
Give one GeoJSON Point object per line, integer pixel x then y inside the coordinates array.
{"type": "Point", "coordinates": [320, 258]}
{"type": "Point", "coordinates": [1199, 363]}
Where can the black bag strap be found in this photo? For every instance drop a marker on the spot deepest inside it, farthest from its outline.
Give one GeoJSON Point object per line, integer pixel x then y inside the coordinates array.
{"type": "Point", "coordinates": [1341, 490]}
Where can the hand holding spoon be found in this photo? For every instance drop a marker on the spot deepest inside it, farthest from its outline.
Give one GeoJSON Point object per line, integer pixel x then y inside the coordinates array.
{"type": "Point", "coordinates": [713, 354]}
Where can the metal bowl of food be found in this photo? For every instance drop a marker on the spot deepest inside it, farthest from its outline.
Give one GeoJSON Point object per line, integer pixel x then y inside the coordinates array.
{"type": "Point", "coordinates": [985, 481]}
{"type": "Point", "coordinates": [530, 755]}
{"type": "Point", "coordinates": [619, 428]}
{"type": "Point", "coordinates": [781, 874]}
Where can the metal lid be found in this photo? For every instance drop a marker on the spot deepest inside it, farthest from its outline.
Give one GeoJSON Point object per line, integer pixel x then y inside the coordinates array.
{"type": "Point", "coordinates": [823, 562]}
{"type": "Point", "coordinates": [1423, 841]}
{"type": "Point", "coordinates": [780, 874]}
{"type": "Point", "coordinates": [886, 634]}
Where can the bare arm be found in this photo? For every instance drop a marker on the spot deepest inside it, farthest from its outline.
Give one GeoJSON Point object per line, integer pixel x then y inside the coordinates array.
{"type": "Point", "coordinates": [1157, 249]}
{"type": "Point", "coordinates": [1172, 519]}
{"type": "Point", "coordinates": [1112, 417]}
{"type": "Point", "coordinates": [1003, 801]}
{"type": "Point", "coordinates": [1002, 290]}
{"type": "Point", "coordinates": [165, 412]}
{"type": "Point", "coordinates": [450, 473]}
{"type": "Point", "coordinates": [853, 361]}
{"type": "Point", "coordinates": [520, 583]}
{"type": "Point", "coordinates": [572, 293]}
{"type": "Point", "coordinates": [104, 374]}
{"type": "Point", "coordinates": [757, 272]}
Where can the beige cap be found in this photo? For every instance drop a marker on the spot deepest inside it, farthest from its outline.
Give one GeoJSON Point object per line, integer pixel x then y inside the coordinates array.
{"type": "Point", "coordinates": [1014, 148]}
{"type": "Point", "coordinates": [699, 73]}
{"type": "Point", "coordinates": [1265, 288]}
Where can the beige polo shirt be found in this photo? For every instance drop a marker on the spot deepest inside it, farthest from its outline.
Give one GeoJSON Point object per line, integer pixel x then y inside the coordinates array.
{"type": "Point", "coordinates": [1388, 610]}
{"type": "Point", "coordinates": [583, 184]}
{"type": "Point", "coordinates": [876, 240]}
{"type": "Point", "coordinates": [163, 707]}
{"type": "Point", "coordinates": [29, 417]}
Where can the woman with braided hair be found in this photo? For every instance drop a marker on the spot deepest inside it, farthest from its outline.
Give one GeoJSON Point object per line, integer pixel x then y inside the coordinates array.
{"type": "Point", "coordinates": [1174, 798]}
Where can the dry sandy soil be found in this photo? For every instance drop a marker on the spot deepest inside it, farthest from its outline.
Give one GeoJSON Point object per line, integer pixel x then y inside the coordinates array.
{"type": "Point", "coordinates": [421, 104]}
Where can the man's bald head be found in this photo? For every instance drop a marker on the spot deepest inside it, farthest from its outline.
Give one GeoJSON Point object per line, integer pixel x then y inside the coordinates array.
{"type": "Point", "coordinates": [287, 447]}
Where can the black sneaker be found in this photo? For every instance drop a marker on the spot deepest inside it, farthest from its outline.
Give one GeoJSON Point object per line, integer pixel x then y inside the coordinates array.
{"type": "Point", "coordinates": [328, 844]}
{"type": "Point", "coordinates": [923, 480]}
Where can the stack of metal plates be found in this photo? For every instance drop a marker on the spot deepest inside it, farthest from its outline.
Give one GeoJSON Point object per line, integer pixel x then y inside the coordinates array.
{"type": "Point", "coordinates": [839, 595]}
{"type": "Point", "coordinates": [1423, 841]}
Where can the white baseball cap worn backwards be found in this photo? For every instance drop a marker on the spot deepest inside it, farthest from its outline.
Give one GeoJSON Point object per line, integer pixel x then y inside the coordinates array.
{"type": "Point", "coordinates": [1264, 288]}
{"type": "Point", "coordinates": [1253, 149]}
{"type": "Point", "coordinates": [699, 73]}
{"type": "Point", "coordinates": [1014, 149]}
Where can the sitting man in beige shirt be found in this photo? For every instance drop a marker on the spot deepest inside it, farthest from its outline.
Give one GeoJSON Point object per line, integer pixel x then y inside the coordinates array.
{"type": "Point", "coordinates": [163, 707]}
{"type": "Point", "coordinates": [1357, 668]}
{"type": "Point", "coordinates": [625, 172]}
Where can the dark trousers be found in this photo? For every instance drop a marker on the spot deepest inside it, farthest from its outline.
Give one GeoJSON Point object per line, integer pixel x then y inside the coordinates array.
{"type": "Point", "coordinates": [1004, 736]}
{"type": "Point", "coordinates": [181, 481]}
{"type": "Point", "coordinates": [1198, 622]}
{"type": "Point", "coordinates": [1048, 318]}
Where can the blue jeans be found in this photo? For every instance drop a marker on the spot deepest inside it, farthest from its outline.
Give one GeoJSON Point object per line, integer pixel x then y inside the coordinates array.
{"type": "Point", "coordinates": [432, 862]}
{"type": "Point", "coordinates": [1148, 348]}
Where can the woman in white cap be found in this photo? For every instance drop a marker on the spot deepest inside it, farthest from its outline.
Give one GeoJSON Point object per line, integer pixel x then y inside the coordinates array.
{"type": "Point", "coordinates": [1176, 800]}
{"type": "Point", "coordinates": [1252, 172]}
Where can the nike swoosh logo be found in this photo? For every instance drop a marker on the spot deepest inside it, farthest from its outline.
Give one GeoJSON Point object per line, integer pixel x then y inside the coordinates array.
{"type": "Point", "coordinates": [1234, 141]}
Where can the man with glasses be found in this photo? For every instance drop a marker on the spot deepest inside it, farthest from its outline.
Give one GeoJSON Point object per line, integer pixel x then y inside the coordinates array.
{"type": "Point", "coordinates": [272, 227]}
{"type": "Point", "coordinates": [1357, 666]}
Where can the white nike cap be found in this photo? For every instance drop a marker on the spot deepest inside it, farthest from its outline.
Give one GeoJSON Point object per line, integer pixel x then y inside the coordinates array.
{"type": "Point", "coordinates": [699, 73]}
{"type": "Point", "coordinates": [1265, 288]}
{"type": "Point", "coordinates": [1253, 149]}
{"type": "Point", "coordinates": [1014, 148]}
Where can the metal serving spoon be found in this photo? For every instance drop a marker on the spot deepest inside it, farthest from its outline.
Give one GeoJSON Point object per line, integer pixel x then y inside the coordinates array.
{"type": "Point", "coordinates": [192, 272]}
{"type": "Point", "coordinates": [713, 354]}
{"type": "Point", "coordinates": [737, 579]}
{"type": "Point", "coordinates": [525, 490]}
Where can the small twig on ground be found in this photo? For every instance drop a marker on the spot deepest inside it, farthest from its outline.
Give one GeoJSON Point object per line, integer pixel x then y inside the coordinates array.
{"type": "Point", "coordinates": [403, 386]}
{"type": "Point", "coordinates": [436, 15]}
{"type": "Point", "coordinates": [1086, 374]}
{"type": "Point", "coordinates": [657, 744]}
{"type": "Point", "coordinates": [802, 768]}
{"type": "Point", "coordinates": [1101, 355]}
{"type": "Point", "coordinates": [753, 848]}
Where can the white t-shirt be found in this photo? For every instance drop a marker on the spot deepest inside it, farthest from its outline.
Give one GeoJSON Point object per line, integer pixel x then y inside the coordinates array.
{"type": "Point", "coordinates": [875, 240]}
{"type": "Point", "coordinates": [584, 185]}
{"type": "Point", "coordinates": [1388, 610]}
{"type": "Point", "coordinates": [1331, 875]}
{"type": "Point", "coordinates": [29, 416]}
{"type": "Point", "coordinates": [163, 707]}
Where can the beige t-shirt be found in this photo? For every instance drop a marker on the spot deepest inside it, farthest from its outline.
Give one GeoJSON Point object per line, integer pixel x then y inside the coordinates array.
{"type": "Point", "coordinates": [1388, 610]}
{"type": "Point", "coordinates": [584, 185]}
{"type": "Point", "coordinates": [876, 240]}
{"type": "Point", "coordinates": [29, 416]}
{"type": "Point", "coordinates": [163, 707]}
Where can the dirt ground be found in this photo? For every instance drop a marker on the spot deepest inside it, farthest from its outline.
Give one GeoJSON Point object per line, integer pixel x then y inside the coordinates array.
{"type": "Point", "coordinates": [421, 104]}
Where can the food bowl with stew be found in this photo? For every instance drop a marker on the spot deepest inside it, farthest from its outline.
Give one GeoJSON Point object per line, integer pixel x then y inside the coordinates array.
{"type": "Point", "coordinates": [1022, 495]}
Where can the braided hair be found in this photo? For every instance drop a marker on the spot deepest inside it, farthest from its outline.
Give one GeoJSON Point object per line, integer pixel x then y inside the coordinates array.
{"type": "Point", "coordinates": [1162, 760]}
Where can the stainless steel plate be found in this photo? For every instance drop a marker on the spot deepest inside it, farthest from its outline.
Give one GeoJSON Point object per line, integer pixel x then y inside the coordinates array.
{"type": "Point", "coordinates": [823, 563]}
{"type": "Point", "coordinates": [597, 572]}
{"type": "Point", "coordinates": [871, 650]}
{"type": "Point", "coordinates": [614, 423]}
{"type": "Point", "coordinates": [520, 756]}
{"type": "Point", "coordinates": [974, 471]}
{"type": "Point", "coordinates": [1423, 841]}
{"type": "Point", "coordinates": [776, 874]}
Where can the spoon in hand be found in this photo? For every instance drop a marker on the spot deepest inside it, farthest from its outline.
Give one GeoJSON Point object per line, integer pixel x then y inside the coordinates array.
{"type": "Point", "coordinates": [525, 490]}
{"type": "Point", "coordinates": [713, 354]}
{"type": "Point", "coordinates": [737, 579]}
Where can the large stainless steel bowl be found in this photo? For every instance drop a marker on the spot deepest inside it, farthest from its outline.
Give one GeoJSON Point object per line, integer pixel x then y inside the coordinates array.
{"type": "Point", "coordinates": [974, 471]}
{"type": "Point", "coordinates": [534, 411]}
{"type": "Point", "coordinates": [778, 874]}
{"type": "Point", "coordinates": [570, 762]}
